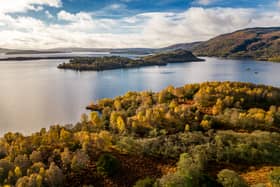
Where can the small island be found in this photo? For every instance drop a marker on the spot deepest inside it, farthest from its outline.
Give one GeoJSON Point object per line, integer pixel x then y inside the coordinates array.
{"type": "Point", "coordinates": [116, 62]}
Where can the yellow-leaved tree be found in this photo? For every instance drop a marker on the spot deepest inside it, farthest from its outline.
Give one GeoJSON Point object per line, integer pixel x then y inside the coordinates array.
{"type": "Point", "coordinates": [120, 124]}
{"type": "Point", "coordinates": [95, 119]}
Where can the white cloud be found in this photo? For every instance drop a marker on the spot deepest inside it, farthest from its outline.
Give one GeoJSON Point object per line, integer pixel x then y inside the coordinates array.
{"type": "Point", "coordinates": [143, 30]}
{"type": "Point", "coordinates": [115, 6]}
{"type": "Point", "coordinates": [11, 6]}
{"type": "Point", "coordinates": [84, 22]}
{"type": "Point", "coordinates": [66, 16]}
{"type": "Point", "coordinates": [204, 2]}
{"type": "Point", "coordinates": [197, 23]}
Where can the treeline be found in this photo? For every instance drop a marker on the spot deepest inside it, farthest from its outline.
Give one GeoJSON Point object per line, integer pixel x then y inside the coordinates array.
{"type": "Point", "coordinates": [206, 127]}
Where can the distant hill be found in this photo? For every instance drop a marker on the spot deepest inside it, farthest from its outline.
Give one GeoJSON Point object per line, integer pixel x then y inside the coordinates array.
{"type": "Point", "coordinates": [184, 46]}
{"type": "Point", "coordinates": [20, 52]}
{"type": "Point", "coordinates": [140, 51]}
{"type": "Point", "coordinates": [257, 43]}
{"type": "Point", "coordinates": [2, 50]}
{"type": "Point", "coordinates": [137, 51]}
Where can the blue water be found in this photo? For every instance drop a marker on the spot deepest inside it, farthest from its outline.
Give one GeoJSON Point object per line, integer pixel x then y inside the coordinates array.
{"type": "Point", "coordinates": [35, 94]}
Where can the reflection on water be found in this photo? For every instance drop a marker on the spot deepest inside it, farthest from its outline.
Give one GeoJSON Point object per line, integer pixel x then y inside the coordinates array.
{"type": "Point", "coordinates": [167, 72]}
{"type": "Point", "coordinates": [35, 94]}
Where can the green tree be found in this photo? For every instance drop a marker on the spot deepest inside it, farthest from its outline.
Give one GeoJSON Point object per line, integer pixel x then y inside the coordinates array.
{"type": "Point", "coordinates": [107, 164]}
{"type": "Point", "coordinates": [147, 182]}
{"type": "Point", "coordinates": [274, 177]}
{"type": "Point", "coordinates": [229, 178]}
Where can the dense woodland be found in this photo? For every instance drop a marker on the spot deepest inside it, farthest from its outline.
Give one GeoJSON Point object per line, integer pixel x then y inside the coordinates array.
{"type": "Point", "coordinates": [208, 134]}
{"type": "Point", "coordinates": [116, 62]}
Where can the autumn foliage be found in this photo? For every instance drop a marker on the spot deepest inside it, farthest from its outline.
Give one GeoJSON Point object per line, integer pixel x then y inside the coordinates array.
{"type": "Point", "coordinates": [201, 126]}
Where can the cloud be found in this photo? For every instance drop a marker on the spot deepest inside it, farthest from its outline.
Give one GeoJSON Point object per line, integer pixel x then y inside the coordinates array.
{"type": "Point", "coordinates": [278, 3]}
{"type": "Point", "coordinates": [12, 6]}
{"type": "Point", "coordinates": [84, 22]}
{"type": "Point", "coordinates": [66, 16]}
{"type": "Point", "coordinates": [154, 29]}
{"type": "Point", "coordinates": [197, 23]}
{"type": "Point", "coordinates": [115, 10]}
{"type": "Point", "coordinates": [115, 6]}
{"type": "Point", "coordinates": [205, 2]}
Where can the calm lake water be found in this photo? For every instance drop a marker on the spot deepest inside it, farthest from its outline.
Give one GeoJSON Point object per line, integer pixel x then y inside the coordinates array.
{"type": "Point", "coordinates": [35, 94]}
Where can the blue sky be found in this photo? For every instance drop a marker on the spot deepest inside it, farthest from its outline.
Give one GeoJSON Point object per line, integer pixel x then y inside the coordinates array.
{"type": "Point", "coordinates": [105, 8]}
{"type": "Point", "coordinates": [137, 6]}
{"type": "Point", "coordinates": [35, 24]}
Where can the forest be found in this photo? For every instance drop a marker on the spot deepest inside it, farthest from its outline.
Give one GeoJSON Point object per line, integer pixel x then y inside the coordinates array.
{"type": "Point", "coordinates": [224, 134]}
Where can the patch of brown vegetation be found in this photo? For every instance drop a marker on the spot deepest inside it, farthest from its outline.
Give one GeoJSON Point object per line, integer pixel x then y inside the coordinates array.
{"type": "Point", "coordinates": [214, 168]}
{"type": "Point", "coordinates": [138, 167]}
{"type": "Point", "coordinates": [251, 174]}
{"type": "Point", "coordinates": [257, 175]}
{"type": "Point", "coordinates": [132, 169]}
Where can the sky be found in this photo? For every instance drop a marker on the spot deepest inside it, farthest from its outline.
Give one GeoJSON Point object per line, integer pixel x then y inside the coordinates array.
{"type": "Point", "coordinates": [46, 24]}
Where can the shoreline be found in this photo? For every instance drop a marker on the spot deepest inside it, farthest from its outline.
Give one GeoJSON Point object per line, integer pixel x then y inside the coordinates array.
{"type": "Point", "coordinates": [35, 58]}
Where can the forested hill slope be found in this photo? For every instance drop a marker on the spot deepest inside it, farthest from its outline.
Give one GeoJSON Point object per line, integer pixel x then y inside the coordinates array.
{"type": "Point", "coordinates": [221, 134]}
{"type": "Point", "coordinates": [257, 43]}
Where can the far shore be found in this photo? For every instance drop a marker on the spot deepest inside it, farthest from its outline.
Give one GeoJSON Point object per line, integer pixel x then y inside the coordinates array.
{"type": "Point", "coordinates": [113, 54]}
{"type": "Point", "coordinates": [35, 58]}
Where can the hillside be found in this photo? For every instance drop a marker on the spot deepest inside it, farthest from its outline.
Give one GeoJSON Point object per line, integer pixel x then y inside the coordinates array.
{"type": "Point", "coordinates": [183, 46]}
{"type": "Point", "coordinates": [3, 50]}
{"type": "Point", "coordinates": [139, 51]}
{"type": "Point", "coordinates": [221, 134]}
{"type": "Point", "coordinates": [257, 43]}
{"type": "Point", "coordinates": [21, 51]}
{"type": "Point", "coordinates": [116, 62]}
